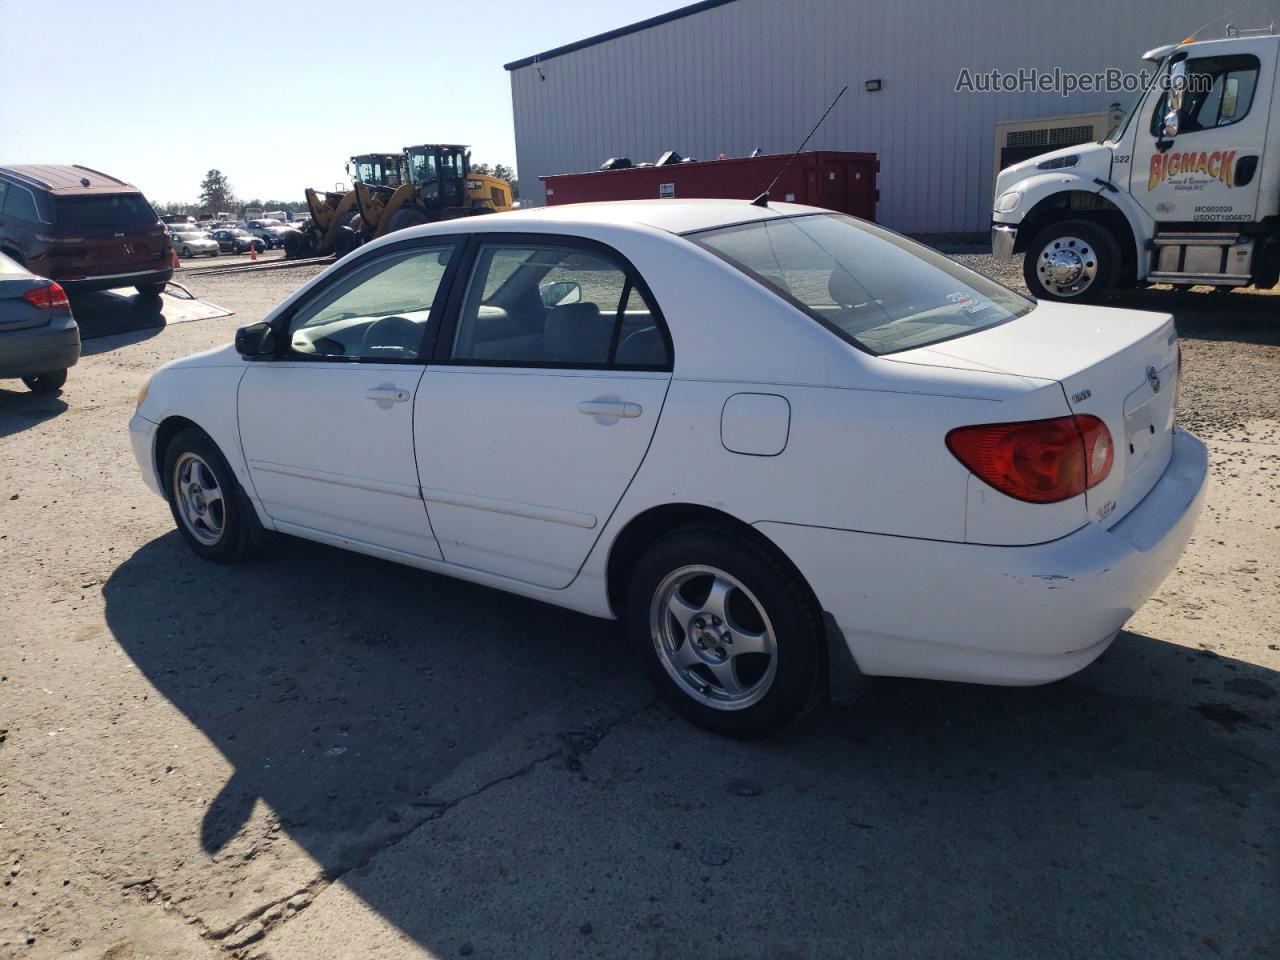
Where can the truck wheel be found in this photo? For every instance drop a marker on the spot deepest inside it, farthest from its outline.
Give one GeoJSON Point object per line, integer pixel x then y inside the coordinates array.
{"type": "Point", "coordinates": [411, 217]}
{"type": "Point", "coordinates": [345, 241]}
{"type": "Point", "coordinates": [1074, 260]}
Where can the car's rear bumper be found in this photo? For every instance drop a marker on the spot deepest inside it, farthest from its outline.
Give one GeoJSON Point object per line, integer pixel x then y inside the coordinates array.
{"type": "Point", "coordinates": [24, 353]}
{"type": "Point", "coordinates": [1002, 615]}
{"type": "Point", "coordinates": [142, 438]}
{"type": "Point", "coordinates": [114, 280]}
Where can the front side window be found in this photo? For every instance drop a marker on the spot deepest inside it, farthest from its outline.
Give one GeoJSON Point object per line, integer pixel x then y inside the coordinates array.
{"type": "Point", "coordinates": [1219, 92]}
{"type": "Point", "coordinates": [871, 287]}
{"type": "Point", "coordinates": [556, 306]}
{"type": "Point", "coordinates": [381, 310]}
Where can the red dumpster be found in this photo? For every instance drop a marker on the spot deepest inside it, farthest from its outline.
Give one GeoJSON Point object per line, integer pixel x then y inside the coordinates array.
{"type": "Point", "coordinates": [835, 179]}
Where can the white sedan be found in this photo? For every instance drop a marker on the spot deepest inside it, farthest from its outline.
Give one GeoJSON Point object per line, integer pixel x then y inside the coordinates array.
{"type": "Point", "coordinates": [791, 449]}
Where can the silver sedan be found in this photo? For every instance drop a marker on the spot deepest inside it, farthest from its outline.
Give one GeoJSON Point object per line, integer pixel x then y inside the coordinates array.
{"type": "Point", "coordinates": [194, 243]}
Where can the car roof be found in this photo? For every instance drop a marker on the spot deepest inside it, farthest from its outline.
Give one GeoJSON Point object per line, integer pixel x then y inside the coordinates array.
{"type": "Point", "coordinates": [673, 216]}
{"type": "Point", "coordinates": [63, 179]}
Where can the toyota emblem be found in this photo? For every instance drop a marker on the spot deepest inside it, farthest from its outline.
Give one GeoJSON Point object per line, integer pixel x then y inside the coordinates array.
{"type": "Point", "coordinates": [1153, 378]}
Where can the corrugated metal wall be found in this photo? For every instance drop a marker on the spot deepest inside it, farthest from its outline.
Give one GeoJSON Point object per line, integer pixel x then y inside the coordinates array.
{"type": "Point", "coordinates": [758, 73]}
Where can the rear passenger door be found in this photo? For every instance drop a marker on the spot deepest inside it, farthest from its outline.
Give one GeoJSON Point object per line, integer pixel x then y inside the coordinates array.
{"type": "Point", "coordinates": [546, 387]}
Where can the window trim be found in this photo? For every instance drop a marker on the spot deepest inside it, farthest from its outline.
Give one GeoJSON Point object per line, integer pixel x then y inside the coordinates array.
{"type": "Point", "coordinates": [429, 336]}
{"type": "Point", "coordinates": [1163, 99]}
{"type": "Point", "coordinates": [634, 280]}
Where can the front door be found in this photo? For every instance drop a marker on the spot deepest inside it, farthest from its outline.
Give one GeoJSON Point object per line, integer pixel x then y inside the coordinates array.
{"type": "Point", "coordinates": [1211, 170]}
{"type": "Point", "coordinates": [327, 427]}
{"type": "Point", "coordinates": [529, 431]}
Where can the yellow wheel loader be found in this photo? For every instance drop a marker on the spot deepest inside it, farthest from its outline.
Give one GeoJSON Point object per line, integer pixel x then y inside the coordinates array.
{"type": "Point", "coordinates": [439, 186]}
{"type": "Point", "coordinates": [332, 213]}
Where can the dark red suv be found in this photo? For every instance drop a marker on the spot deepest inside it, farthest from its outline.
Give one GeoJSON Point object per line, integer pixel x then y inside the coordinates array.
{"type": "Point", "coordinates": [82, 228]}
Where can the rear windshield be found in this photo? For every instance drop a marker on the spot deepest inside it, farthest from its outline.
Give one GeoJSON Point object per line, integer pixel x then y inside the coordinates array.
{"type": "Point", "coordinates": [122, 211]}
{"type": "Point", "coordinates": [874, 288]}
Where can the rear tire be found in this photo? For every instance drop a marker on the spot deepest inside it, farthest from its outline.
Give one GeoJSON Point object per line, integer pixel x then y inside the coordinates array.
{"type": "Point", "coordinates": [150, 289]}
{"type": "Point", "coordinates": [186, 253]}
{"type": "Point", "coordinates": [46, 382]}
{"type": "Point", "coordinates": [752, 662]}
{"type": "Point", "coordinates": [1074, 261]}
{"type": "Point", "coordinates": [208, 506]}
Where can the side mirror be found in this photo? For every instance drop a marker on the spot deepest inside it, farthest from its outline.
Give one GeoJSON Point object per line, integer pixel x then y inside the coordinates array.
{"type": "Point", "coordinates": [256, 341]}
{"type": "Point", "coordinates": [560, 293]}
{"type": "Point", "coordinates": [1177, 89]}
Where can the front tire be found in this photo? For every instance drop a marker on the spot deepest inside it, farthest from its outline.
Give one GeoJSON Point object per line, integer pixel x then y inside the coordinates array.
{"type": "Point", "coordinates": [730, 636]}
{"type": "Point", "coordinates": [186, 253]}
{"type": "Point", "coordinates": [205, 499]}
{"type": "Point", "coordinates": [1074, 261]}
{"type": "Point", "coordinates": [46, 382]}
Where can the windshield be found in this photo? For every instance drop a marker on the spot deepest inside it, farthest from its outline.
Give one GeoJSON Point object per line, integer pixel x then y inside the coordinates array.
{"type": "Point", "coordinates": [874, 288]}
{"type": "Point", "coordinates": [1119, 129]}
{"type": "Point", "coordinates": [119, 211]}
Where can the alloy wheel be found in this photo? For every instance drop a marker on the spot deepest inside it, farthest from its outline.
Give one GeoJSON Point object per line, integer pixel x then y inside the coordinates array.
{"type": "Point", "coordinates": [713, 637]}
{"type": "Point", "coordinates": [198, 494]}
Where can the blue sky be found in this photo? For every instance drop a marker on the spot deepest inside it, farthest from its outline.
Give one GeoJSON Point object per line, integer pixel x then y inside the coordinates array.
{"type": "Point", "coordinates": [275, 93]}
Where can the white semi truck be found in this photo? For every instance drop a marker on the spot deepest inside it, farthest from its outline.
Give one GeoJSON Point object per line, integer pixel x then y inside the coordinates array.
{"type": "Point", "coordinates": [1185, 190]}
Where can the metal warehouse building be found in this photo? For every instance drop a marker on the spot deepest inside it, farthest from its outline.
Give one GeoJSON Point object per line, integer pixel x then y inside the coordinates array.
{"type": "Point", "coordinates": [728, 76]}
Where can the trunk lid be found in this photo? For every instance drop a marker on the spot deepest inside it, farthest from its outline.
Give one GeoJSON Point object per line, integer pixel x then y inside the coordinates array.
{"type": "Point", "coordinates": [1118, 365]}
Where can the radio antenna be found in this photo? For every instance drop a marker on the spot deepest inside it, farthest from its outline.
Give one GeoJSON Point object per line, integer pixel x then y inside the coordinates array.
{"type": "Point", "coordinates": [763, 199]}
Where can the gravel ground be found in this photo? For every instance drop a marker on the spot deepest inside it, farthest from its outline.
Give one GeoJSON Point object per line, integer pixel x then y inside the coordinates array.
{"type": "Point", "coordinates": [321, 754]}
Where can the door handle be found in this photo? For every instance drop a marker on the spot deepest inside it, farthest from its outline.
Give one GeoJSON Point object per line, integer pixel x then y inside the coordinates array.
{"type": "Point", "coordinates": [392, 394]}
{"type": "Point", "coordinates": [613, 409]}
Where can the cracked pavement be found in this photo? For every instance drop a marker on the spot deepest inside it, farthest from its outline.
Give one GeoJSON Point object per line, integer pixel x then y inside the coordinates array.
{"type": "Point", "coordinates": [324, 755]}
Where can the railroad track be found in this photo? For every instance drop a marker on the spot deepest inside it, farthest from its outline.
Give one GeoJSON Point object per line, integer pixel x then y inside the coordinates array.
{"type": "Point", "coordinates": [218, 271]}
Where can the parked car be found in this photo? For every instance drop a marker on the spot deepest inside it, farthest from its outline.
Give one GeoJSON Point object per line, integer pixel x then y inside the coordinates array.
{"type": "Point", "coordinates": [272, 232]}
{"type": "Point", "coordinates": [83, 228]}
{"type": "Point", "coordinates": [193, 243]}
{"type": "Point", "coordinates": [788, 447]}
{"type": "Point", "coordinates": [238, 241]}
{"type": "Point", "coordinates": [177, 219]}
{"type": "Point", "coordinates": [39, 339]}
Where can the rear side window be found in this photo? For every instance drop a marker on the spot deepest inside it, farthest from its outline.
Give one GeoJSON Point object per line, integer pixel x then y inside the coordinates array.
{"type": "Point", "coordinates": [874, 288]}
{"type": "Point", "coordinates": [557, 306]}
{"type": "Point", "coordinates": [20, 204]}
{"type": "Point", "coordinates": [119, 211]}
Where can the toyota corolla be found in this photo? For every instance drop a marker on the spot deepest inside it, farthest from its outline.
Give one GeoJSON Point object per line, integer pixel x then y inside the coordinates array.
{"type": "Point", "coordinates": [789, 448]}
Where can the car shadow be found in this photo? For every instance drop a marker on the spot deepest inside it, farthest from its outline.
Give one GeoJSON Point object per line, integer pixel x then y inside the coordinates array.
{"type": "Point", "coordinates": [21, 409]}
{"type": "Point", "coordinates": [106, 313]}
{"type": "Point", "coordinates": [928, 810]}
{"type": "Point", "coordinates": [1244, 316]}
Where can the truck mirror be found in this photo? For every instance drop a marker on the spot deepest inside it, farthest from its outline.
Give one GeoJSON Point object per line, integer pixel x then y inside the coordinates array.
{"type": "Point", "coordinates": [1169, 127]}
{"type": "Point", "coordinates": [1177, 85]}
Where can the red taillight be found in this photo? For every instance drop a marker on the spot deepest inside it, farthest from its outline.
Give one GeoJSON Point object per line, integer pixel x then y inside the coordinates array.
{"type": "Point", "coordinates": [48, 297]}
{"type": "Point", "coordinates": [1039, 461]}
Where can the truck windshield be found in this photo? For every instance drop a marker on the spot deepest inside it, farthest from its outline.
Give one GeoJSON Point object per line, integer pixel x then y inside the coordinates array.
{"type": "Point", "coordinates": [869, 286]}
{"type": "Point", "coordinates": [120, 211]}
{"type": "Point", "coordinates": [1118, 131]}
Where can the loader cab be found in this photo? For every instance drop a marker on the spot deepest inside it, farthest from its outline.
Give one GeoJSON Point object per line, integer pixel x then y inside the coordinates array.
{"type": "Point", "coordinates": [440, 172]}
{"type": "Point", "coordinates": [378, 169]}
